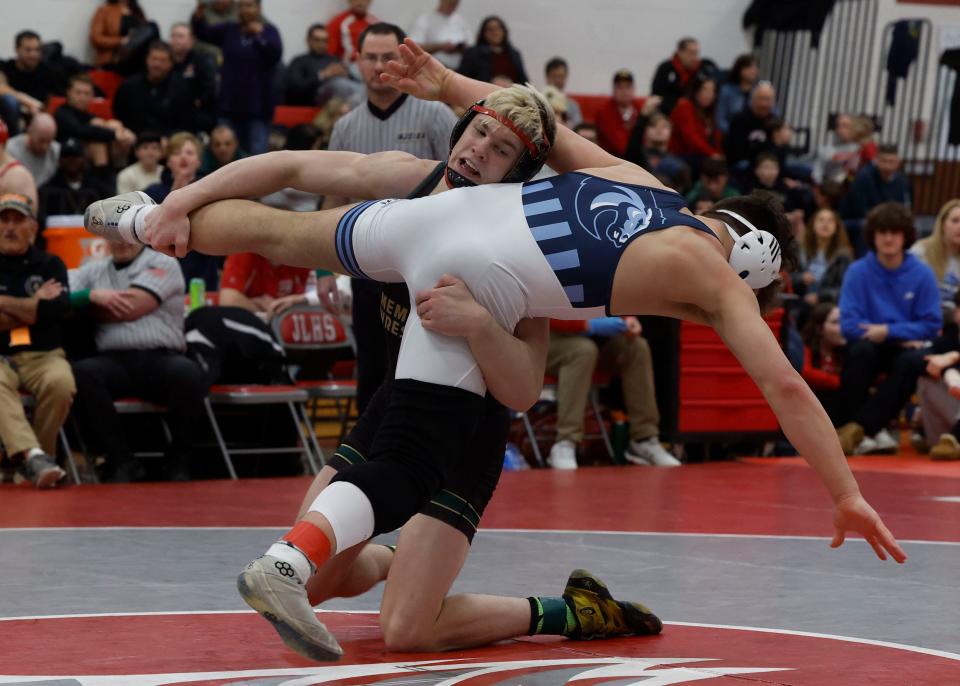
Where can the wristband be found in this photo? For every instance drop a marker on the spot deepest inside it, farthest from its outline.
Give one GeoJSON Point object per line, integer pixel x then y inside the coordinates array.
{"type": "Point", "coordinates": [80, 299]}
{"type": "Point", "coordinates": [320, 273]}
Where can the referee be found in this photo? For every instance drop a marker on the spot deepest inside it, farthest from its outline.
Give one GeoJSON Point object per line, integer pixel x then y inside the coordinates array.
{"type": "Point", "coordinates": [391, 120]}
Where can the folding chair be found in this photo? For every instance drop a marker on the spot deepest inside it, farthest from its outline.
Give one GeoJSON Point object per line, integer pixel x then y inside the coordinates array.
{"type": "Point", "coordinates": [313, 328]}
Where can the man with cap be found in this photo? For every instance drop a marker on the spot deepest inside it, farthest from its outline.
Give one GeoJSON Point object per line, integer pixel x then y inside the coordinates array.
{"type": "Point", "coordinates": [14, 177]}
{"type": "Point", "coordinates": [33, 301]}
{"type": "Point", "coordinates": [616, 119]}
{"type": "Point", "coordinates": [73, 187]}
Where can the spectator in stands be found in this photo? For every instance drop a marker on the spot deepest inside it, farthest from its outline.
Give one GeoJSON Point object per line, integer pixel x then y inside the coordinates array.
{"type": "Point", "coordinates": [137, 297]}
{"type": "Point", "coordinates": [556, 73]}
{"type": "Point", "coordinates": [825, 254]}
{"type": "Point", "coordinates": [345, 29]}
{"type": "Point", "coordinates": [26, 81]}
{"type": "Point", "coordinates": [939, 391]}
{"type": "Point", "coordinates": [751, 129]}
{"type": "Point", "coordinates": [890, 310]}
{"type": "Point", "coordinates": [223, 149]}
{"type": "Point", "coordinates": [73, 187]}
{"type": "Point", "coordinates": [251, 51]}
{"type": "Point", "coordinates": [14, 176]}
{"type": "Point", "coordinates": [218, 12]}
{"type": "Point", "coordinates": [621, 113]}
{"type": "Point", "coordinates": [878, 182]}
{"type": "Point", "coordinates": [33, 301]}
{"type": "Point", "coordinates": [588, 131]}
{"type": "Point", "coordinates": [74, 120]}
{"type": "Point", "coordinates": [714, 183]}
{"type": "Point", "coordinates": [734, 93]}
{"type": "Point", "coordinates": [558, 103]}
{"type": "Point", "coordinates": [182, 167]}
{"type": "Point", "coordinates": [37, 148]}
{"type": "Point", "coordinates": [256, 284]}
{"type": "Point", "coordinates": [198, 72]}
{"type": "Point", "coordinates": [147, 169]}
{"type": "Point", "coordinates": [695, 134]}
{"type": "Point", "coordinates": [493, 55]}
{"type": "Point", "coordinates": [156, 99]}
{"type": "Point", "coordinates": [673, 77]}
{"type": "Point", "coordinates": [823, 357]}
{"type": "Point", "coordinates": [110, 30]}
{"type": "Point", "coordinates": [443, 33]}
{"type": "Point", "coordinates": [850, 149]}
{"type": "Point", "coordinates": [654, 153]}
{"type": "Point", "coordinates": [327, 119]}
{"type": "Point", "coordinates": [767, 176]}
{"type": "Point", "coordinates": [620, 349]}
{"type": "Point", "coordinates": [316, 76]}
{"type": "Point", "coordinates": [941, 251]}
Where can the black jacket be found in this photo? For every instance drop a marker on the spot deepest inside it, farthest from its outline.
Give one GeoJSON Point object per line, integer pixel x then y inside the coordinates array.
{"type": "Point", "coordinates": [477, 63]}
{"type": "Point", "coordinates": [163, 108]}
{"type": "Point", "coordinates": [74, 123]}
{"type": "Point", "coordinates": [20, 277]}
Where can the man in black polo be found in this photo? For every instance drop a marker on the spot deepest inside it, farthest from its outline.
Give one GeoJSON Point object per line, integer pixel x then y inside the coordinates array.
{"type": "Point", "coordinates": [33, 300]}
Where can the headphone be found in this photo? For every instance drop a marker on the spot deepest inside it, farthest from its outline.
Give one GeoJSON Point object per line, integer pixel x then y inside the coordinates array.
{"type": "Point", "coordinates": [4, 132]}
{"type": "Point", "coordinates": [531, 160]}
{"type": "Point", "coordinates": [755, 255]}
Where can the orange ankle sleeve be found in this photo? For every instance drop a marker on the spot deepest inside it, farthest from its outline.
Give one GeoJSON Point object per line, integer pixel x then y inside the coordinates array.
{"type": "Point", "coordinates": [311, 541]}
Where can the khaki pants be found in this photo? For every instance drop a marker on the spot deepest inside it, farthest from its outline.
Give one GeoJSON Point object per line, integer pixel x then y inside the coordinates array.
{"type": "Point", "coordinates": [572, 359]}
{"type": "Point", "coordinates": [47, 376]}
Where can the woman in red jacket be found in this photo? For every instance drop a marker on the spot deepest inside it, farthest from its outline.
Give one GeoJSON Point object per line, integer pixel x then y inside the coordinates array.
{"type": "Point", "coordinates": [696, 135]}
{"type": "Point", "coordinates": [823, 355]}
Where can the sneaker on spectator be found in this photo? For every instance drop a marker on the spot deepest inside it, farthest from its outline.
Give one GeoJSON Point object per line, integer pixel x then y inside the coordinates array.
{"type": "Point", "coordinates": [850, 435]}
{"type": "Point", "coordinates": [919, 442]}
{"type": "Point", "coordinates": [867, 446]}
{"type": "Point", "coordinates": [886, 443]}
{"type": "Point", "coordinates": [563, 455]}
{"type": "Point", "coordinates": [41, 470]}
{"type": "Point", "coordinates": [947, 448]}
{"type": "Point", "coordinates": [651, 453]}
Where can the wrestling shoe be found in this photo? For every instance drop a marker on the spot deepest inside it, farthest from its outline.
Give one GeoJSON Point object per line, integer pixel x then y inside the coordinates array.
{"type": "Point", "coordinates": [41, 470]}
{"type": "Point", "coordinates": [271, 587]}
{"type": "Point", "coordinates": [600, 616]}
{"type": "Point", "coordinates": [113, 218]}
{"type": "Point", "coordinates": [563, 455]}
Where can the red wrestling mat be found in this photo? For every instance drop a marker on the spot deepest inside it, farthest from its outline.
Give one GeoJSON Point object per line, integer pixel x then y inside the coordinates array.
{"type": "Point", "coordinates": [725, 498]}
{"type": "Point", "coordinates": [230, 648]}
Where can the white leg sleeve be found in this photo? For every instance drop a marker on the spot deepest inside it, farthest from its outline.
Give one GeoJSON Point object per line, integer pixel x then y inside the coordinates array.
{"type": "Point", "coordinates": [349, 512]}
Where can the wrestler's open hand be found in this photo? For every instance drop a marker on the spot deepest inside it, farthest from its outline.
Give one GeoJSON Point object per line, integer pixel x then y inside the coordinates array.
{"type": "Point", "coordinates": [449, 308]}
{"type": "Point", "coordinates": [417, 72]}
{"type": "Point", "coordinates": [167, 229]}
{"type": "Point", "coordinates": [853, 513]}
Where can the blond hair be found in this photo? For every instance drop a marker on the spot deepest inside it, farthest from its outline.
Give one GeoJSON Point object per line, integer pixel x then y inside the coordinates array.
{"type": "Point", "coordinates": [528, 110]}
{"type": "Point", "coordinates": [178, 140]}
{"type": "Point", "coordinates": [934, 252]}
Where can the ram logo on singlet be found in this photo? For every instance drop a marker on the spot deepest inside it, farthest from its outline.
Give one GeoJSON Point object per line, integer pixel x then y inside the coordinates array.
{"type": "Point", "coordinates": [614, 215]}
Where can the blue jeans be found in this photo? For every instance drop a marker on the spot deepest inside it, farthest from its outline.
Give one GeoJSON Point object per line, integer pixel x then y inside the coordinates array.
{"type": "Point", "coordinates": [252, 134]}
{"type": "Point", "coordinates": [10, 113]}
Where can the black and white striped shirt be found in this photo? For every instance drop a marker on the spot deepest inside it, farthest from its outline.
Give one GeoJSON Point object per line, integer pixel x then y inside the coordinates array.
{"type": "Point", "coordinates": [419, 127]}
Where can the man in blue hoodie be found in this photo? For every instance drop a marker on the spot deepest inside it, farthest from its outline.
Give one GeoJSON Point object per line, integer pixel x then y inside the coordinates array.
{"type": "Point", "coordinates": [889, 311]}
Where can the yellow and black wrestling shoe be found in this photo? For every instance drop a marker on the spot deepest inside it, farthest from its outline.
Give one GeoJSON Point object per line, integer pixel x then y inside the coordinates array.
{"type": "Point", "coordinates": [598, 615]}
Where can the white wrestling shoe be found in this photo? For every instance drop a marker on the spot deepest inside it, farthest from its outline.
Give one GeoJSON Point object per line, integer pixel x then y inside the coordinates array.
{"type": "Point", "coordinates": [271, 587]}
{"type": "Point", "coordinates": [114, 218]}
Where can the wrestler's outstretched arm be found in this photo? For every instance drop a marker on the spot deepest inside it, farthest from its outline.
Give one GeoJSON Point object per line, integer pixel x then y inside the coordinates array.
{"type": "Point", "coordinates": [420, 74]}
{"type": "Point", "coordinates": [382, 175]}
{"type": "Point", "coordinates": [732, 309]}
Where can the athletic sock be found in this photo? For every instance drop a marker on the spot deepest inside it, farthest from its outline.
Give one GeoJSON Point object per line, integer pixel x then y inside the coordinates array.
{"type": "Point", "coordinates": [294, 557]}
{"type": "Point", "coordinates": [552, 616]}
{"type": "Point", "coordinates": [139, 216]}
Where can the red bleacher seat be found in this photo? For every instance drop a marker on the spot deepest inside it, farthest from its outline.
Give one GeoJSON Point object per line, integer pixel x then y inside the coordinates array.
{"type": "Point", "coordinates": [106, 81]}
{"type": "Point", "coordinates": [292, 115]}
{"type": "Point", "coordinates": [99, 107]}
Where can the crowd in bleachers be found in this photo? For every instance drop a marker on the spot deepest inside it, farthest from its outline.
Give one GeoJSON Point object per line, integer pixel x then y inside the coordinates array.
{"type": "Point", "coordinates": [159, 107]}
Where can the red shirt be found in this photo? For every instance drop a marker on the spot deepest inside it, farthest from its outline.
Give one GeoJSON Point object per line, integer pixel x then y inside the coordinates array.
{"type": "Point", "coordinates": [254, 275]}
{"type": "Point", "coordinates": [823, 378]}
{"type": "Point", "coordinates": [344, 31]}
{"type": "Point", "coordinates": [613, 131]}
{"type": "Point", "coordinates": [690, 135]}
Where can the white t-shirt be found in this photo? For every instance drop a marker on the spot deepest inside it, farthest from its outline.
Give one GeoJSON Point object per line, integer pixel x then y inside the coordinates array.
{"type": "Point", "coordinates": [135, 178]}
{"type": "Point", "coordinates": [434, 27]}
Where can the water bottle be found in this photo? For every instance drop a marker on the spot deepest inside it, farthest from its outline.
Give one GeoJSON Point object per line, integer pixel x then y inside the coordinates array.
{"type": "Point", "coordinates": [198, 293]}
{"type": "Point", "coordinates": [620, 436]}
{"type": "Point", "coordinates": [513, 460]}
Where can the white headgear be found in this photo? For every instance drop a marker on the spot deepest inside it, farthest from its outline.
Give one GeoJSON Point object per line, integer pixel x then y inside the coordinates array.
{"type": "Point", "coordinates": [755, 255]}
